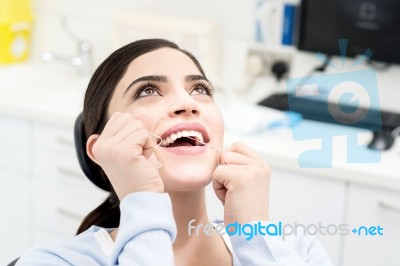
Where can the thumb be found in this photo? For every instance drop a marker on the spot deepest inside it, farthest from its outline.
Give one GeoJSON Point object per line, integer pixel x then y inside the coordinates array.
{"type": "Point", "coordinates": [220, 191]}
{"type": "Point", "coordinates": [152, 140]}
{"type": "Point", "coordinates": [219, 183]}
{"type": "Point", "coordinates": [153, 160]}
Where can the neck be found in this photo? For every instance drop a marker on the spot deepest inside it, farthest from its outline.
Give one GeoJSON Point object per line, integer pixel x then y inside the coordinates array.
{"type": "Point", "coordinates": [186, 207]}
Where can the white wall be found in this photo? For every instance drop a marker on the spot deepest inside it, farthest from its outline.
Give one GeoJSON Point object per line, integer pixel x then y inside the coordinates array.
{"type": "Point", "coordinates": [233, 16]}
{"type": "Point", "coordinates": [92, 20]}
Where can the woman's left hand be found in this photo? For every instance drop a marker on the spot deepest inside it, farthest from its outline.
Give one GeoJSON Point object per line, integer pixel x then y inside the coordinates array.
{"type": "Point", "coordinates": [241, 182]}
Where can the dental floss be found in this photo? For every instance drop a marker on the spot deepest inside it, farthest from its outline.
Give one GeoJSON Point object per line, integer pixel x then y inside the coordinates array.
{"type": "Point", "coordinates": [158, 145]}
{"type": "Point", "coordinates": [160, 121]}
{"type": "Point", "coordinates": [157, 136]}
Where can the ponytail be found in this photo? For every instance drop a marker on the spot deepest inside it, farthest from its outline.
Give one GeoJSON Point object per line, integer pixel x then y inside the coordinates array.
{"type": "Point", "coordinates": [106, 215]}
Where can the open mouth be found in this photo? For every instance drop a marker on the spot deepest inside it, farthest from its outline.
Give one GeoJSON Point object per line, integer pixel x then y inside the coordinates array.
{"type": "Point", "coordinates": [188, 138]}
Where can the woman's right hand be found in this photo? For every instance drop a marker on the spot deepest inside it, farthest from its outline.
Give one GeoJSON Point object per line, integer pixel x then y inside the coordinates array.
{"type": "Point", "coordinates": [124, 150]}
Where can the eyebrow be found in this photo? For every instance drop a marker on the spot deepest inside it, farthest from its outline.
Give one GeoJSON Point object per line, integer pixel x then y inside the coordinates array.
{"type": "Point", "coordinates": [163, 79]}
{"type": "Point", "coordinates": [190, 78]}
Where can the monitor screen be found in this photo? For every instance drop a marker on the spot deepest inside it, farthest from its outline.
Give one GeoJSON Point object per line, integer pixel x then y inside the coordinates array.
{"type": "Point", "coordinates": [366, 24]}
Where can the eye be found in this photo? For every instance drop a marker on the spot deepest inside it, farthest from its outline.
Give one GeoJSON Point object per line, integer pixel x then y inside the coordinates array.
{"type": "Point", "coordinates": [147, 90]}
{"type": "Point", "coordinates": [201, 89]}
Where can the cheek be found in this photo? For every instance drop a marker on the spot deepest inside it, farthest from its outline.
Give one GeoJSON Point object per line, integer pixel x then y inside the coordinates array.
{"type": "Point", "coordinates": [217, 122]}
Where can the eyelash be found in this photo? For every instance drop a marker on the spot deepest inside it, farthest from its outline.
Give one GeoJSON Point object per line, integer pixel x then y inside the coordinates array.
{"type": "Point", "coordinates": [144, 86]}
{"type": "Point", "coordinates": [209, 89]}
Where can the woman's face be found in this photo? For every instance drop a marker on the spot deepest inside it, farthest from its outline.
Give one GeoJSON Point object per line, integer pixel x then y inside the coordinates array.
{"type": "Point", "coordinates": [167, 85]}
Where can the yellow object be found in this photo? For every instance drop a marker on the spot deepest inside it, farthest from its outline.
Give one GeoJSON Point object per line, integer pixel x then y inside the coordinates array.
{"type": "Point", "coordinates": [15, 30]}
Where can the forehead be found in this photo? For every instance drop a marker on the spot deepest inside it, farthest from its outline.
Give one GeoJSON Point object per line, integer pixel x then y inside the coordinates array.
{"type": "Point", "coordinates": [165, 61]}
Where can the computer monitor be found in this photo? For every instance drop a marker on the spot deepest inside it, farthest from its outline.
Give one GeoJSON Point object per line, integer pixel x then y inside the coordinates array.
{"type": "Point", "coordinates": [366, 24]}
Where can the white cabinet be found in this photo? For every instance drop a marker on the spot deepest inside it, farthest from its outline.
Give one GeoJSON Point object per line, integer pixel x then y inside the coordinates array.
{"type": "Point", "coordinates": [310, 201]}
{"type": "Point", "coordinates": [14, 144]}
{"type": "Point", "coordinates": [62, 195]}
{"type": "Point", "coordinates": [14, 206]}
{"type": "Point", "coordinates": [44, 194]}
{"type": "Point", "coordinates": [371, 207]}
{"type": "Point", "coordinates": [14, 188]}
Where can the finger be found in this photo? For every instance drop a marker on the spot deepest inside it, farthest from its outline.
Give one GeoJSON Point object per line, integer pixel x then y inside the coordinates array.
{"type": "Point", "coordinates": [148, 149]}
{"type": "Point", "coordinates": [115, 123]}
{"type": "Point", "coordinates": [142, 114]}
{"type": "Point", "coordinates": [135, 134]}
{"type": "Point", "coordinates": [142, 137]}
{"type": "Point", "coordinates": [220, 191]}
{"type": "Point", "coordinates": [242, 148]}
{"type": "Point", "coordinates": [134, 112]}
{"type": "Point", "coordinates": [223, 178]}
{"type": "Point", "coordinates": [148, 121]}
{"type": "Point", "coordinates": [228, 157]}
{"type": "Point", "coordinates": [225, 174]}
{"type": "Point", "coordinates": [128, 130]}
{"type": "Point", "coordinates": [153, 159]}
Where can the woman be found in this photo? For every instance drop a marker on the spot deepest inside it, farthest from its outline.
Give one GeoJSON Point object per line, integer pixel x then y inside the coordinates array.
{"type": "Point", "coordinates": [156, 135]}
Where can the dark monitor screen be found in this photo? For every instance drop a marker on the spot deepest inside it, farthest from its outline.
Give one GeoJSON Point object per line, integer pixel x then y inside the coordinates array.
{"type": "Point", "coordinates": [373, 24]}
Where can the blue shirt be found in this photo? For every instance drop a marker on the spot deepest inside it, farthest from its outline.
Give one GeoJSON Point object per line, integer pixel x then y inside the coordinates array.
{"type": "Point", "coordinates": [146, 233]}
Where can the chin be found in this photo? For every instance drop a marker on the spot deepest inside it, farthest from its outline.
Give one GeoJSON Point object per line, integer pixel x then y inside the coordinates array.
{"type": "Point", "coordinates": [188, 170]}
{"type": "Point", "coordinates": [187, 177]}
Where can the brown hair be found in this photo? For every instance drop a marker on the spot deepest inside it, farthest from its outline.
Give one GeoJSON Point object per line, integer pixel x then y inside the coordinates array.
{"type": "Point", "coordinates": [97, 98]}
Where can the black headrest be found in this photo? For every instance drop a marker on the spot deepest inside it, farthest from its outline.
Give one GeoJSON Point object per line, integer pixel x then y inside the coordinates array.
{"type": "Point", "coordinates": [87, 165]}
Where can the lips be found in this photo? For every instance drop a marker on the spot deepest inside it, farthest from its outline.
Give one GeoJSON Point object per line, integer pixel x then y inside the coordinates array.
{"type": "Point", "coordinates": [185, 135]}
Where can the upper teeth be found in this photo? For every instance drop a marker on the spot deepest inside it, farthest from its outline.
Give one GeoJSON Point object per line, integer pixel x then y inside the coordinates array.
{"type": "Point", "coordinates": [196, 135]}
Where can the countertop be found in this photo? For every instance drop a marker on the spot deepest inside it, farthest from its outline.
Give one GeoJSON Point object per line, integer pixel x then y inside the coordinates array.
{"type": "Point", "coordinates": [48, 93]}
{"type": "Point", "coordinates": [54, 94]}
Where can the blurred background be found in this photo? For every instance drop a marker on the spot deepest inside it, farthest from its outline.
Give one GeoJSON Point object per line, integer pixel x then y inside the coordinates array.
{"type": "Point", "coordinates": [291, 77]}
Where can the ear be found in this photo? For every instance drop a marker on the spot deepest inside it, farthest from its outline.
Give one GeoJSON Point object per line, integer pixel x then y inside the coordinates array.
{"type": "Point", "coordinates": [89, 146]}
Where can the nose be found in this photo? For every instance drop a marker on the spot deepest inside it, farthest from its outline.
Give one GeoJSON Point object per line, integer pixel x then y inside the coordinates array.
{"type": "Point", "coordinates": [183, 105]}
